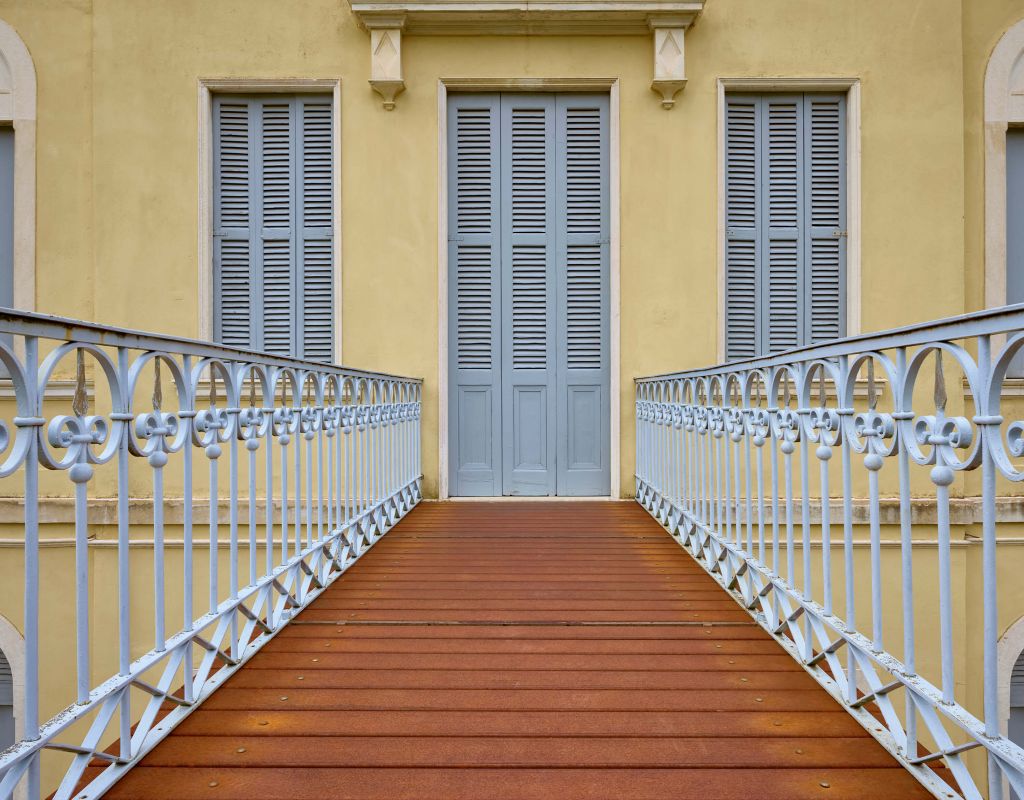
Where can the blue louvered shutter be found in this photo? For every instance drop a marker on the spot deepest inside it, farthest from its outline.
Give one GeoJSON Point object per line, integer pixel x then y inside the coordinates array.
{"type": "Point", "coordinates": [474, 301]}
{"type": "Point", "coordinates": [583, 252]}
{"type": "Point", "coordinates": [316, 228]}
{"type": "Point", "coordinates": [825, 225]}
{"type": "Point", "coordinates": [742, 209]}
{"type": "Point", "coordinates": [273, 224]}
{"type": "Point", "coordinates": [6, 703]}
{"type": "Point", "coordinates": [785, 248]}
{"type": "Point", "coordinates": [783, 210]}
{"type": "Point", "coordinates": [528, 294]}
{"type": "Point", "coordinates": [234, 182]}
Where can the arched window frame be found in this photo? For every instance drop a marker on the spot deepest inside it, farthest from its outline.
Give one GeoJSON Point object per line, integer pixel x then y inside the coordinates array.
{"type": "Point", "coordinates": [1004, 107]}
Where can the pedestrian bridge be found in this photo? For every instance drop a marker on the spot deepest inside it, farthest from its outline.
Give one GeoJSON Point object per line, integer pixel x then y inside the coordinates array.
{"type": "Point", "coordinates": [521, 650]}
{"type": "Point", "coordinates": [231, 587]}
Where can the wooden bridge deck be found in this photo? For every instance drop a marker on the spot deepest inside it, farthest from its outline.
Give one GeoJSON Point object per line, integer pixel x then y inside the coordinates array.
{"type": "Point", "coordinates": [521, 650]}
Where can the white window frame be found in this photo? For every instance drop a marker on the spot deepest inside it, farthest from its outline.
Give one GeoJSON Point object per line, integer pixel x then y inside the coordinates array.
{"type": "Point", "coordinates": [18, 110]}
{"type": "Point", "coordinates": [849, 86]}
{"type": "Point", "coordinates": [1004, 107]}
{"type": "Point", "coordinates": [611, 86]}
{"type": "Point", "coordinates": [207, 88]}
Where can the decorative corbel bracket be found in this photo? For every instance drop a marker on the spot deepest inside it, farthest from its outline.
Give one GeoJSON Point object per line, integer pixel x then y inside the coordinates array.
{"type": "Point", "coordinates": [386, 57]}
{"type": "Point", "coordinates": [669, 56]}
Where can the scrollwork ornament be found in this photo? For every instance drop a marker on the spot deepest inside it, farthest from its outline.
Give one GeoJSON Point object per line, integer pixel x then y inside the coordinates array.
{"type": "Point", "coordinates": [944, 441]}
{"type": "Point", "coordinates": [83, 439]}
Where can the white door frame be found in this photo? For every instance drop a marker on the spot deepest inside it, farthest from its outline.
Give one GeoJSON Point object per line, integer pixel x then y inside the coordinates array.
{"type": "Point", "coordinates": [444, 85]}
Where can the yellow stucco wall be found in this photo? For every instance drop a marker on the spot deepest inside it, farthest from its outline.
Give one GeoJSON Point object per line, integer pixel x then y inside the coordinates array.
{"type": "Point", "coordinates": [118, 179]}
{"type": "Point", "coordinates": [118, 165]}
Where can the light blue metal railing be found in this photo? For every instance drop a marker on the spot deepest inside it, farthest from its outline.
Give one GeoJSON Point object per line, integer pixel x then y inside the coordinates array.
{"type": "Point", "coordinates": [322, 459]}
{"type": "Point", "coordinates": [742, 463]}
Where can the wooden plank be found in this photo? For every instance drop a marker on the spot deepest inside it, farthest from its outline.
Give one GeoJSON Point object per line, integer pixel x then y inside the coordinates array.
{"type": "Point", "coordinates": [303, 783]}
{"type": "Point", "coordinates": [512, 651]}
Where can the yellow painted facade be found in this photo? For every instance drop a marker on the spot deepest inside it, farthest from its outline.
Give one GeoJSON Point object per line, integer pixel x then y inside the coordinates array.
{"type": "Point", "coordinates": [118, 195]}
{"type": "Point", "coordinates": [118, 183]}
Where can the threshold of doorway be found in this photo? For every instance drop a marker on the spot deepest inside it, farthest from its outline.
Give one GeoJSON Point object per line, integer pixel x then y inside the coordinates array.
{"type": "Point", "coordinates": [527, 499]}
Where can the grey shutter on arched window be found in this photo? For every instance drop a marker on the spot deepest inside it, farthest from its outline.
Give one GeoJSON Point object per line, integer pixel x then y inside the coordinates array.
{"type": "Point", "coordinates": [273, 224]}
{"type": "Point", "coordinates": [6, 703]}
{"type": "Point", "coordinates": [785, 208]}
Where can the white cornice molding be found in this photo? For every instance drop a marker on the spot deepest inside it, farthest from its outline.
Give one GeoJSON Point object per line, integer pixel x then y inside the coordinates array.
{"type": "Point", "coordinates": [511, 17]}
{"type": "Point", "coordinates": [388, 20]}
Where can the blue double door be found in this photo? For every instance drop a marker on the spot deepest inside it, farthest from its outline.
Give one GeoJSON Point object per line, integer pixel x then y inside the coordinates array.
{"type": "Point", "coordinates": [528, 332]}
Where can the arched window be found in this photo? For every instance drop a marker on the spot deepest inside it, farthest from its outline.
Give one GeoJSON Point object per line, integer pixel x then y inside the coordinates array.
{"type": "Point", "coordinates": [1004, 170]}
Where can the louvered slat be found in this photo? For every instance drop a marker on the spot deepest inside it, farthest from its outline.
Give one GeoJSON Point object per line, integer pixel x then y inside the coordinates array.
{"type": "Point", "coordinates": [475, 307]}
{"type": "Point", "coordinates": [316, 271]}
{"type": "Point", "coordinates": [233, 165]}
{"type": "Point", "coordinates": [529, 307]}
{"type": "Point", "coordinates": [785, 215]}
{"type": "Point", "coordinates": [233, 199]}
{"type": "Point", "coordinates": [317, 179]}
{"type": "Point", "coordinates": [474, 211]}
{"type": "Point", "coordinates": [783, 209]}
{"type": "Point", "coordinates": [277, 143]}
{"type": "Point", "coordinates": [529, 170]}
{"type": "Point", "coordinates": [584, 307]}
{"type": "Point", "coordinates": [318, 300]}
{"type": "Point", "coordinates": [6, 681]}
{"type": "Point", "coordinates": [827, 216]}
{"type": "Point", "coordinates": [273, 256]}
{"type": "Point", "coordinates": [584, 170]}
{"type": "Point", "coordinates": [742, 189]}
{"type": "Point", "coordinates": [234, 292]}
{"type": "Point", "coordinates": [278, 307]}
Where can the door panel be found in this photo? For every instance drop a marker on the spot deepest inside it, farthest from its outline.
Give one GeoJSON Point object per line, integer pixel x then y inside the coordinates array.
{"type": "Point", "coordinates": [528, 312]}
{"type": "Point", "coordinates": [528, 296]}
{"type": "Point", "coordinates": [581, 177]}
{"type": "Point", "coordinates": [474, 295]}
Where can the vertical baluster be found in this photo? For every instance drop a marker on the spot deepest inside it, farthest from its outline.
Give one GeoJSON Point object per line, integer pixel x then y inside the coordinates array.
{"type": "Point", "coordinates": [749, 471]}
{"type": "Point", "coordinates": [339, 459]}
{"type": "Point", "coordinates": [331, 493]}
{"type": "Point", "coordinates": [903, 416]}
{"type": "Point", "coordinates": [942, 477]}
{"type": "Point", "coordinates": [759, 443]}
{"type": "Point", "coordinates": [349, 493]}
{"type": "Point", "coordinates": [299, 488]}
{"type": "Point", "coordinates": [233, 411]}
{"type": "Point", "coordinates": [34, 420]}
{"type": "Point", "coordinates": [188, 608]}
{"type": "Point", "coordinates": [824, 454]}
{"type": "Point", "coordinates": [805, 510]}
{"type": "Point", "coordinates": [252, 444]}
{"type": "Point", "coordinates": [873, 462]}
{"type": "Point", "coordinates": [124, 645]}
{"type": "Point", "coordinates": [773, 435]}
{"type": "Point", "coordinates": [705, 465]}
{"type": "Point", "coordinates": [283, 440]}
{"type": "Point", "coordinates": [990, 429]}
{"type": "Point", "coordinates": [309, 436]}
{"type": "Point", "coordinates": [80, 473]}
{"type": "Point", "coordinates": [157, 461]}
{"type": "Point", "coordinates": [321, 409]}
{"type": "Point", "coordinates": [270, 409]}
{"type": "Point", "coordinates": [846, 425]}
{"type": "Point", "coordinates": [212, 454]}
{"type": "Point", "coordinates": [787, 462]}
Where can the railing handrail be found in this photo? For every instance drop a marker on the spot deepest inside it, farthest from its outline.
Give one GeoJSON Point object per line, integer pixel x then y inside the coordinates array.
{"type": "Point", "coordinates": [333, 453]}
{"type": "Point", "coordinates": [990, 322]}
{"type": "Point", "coordinates": [737, 461]}
{"type": "Point", "coordinates": [49, 326]}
